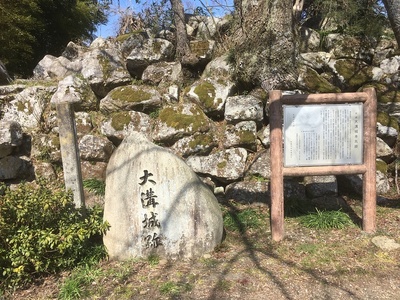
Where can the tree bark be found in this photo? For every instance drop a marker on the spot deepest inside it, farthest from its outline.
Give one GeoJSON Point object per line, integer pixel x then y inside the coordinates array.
{"type": "Point", "coordinates": [393, 11]}
{"type": "Point", "coordinates": [182, 41]}
{"type": "Point", "coordinates": [266, 51]}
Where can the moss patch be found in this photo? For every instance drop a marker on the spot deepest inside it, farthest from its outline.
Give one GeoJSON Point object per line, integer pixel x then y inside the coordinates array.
{"type": "Point", "coordinates": [315, 83]}
{"type": "Point", "coordinates": [385, 94]}
{"type": "Point", "coordinates": [387, 120]}
{"type": "Point", "coordinates": [105, 65]}
{"type": "Point", "coordinates": [381, 166]}
{"type": "Point", "coordinates": [222, 164]}
{"type": "Point", "coordinates": [120, 120]}
{"type": "Point", "coordinates": [246, 137]}
{"type": "Point", "coordinates": [201, 140]}
{"type": "Point", "coordinates": [354, 74]}
{"type": "Point", "coordinates": [157, 47]}
{"type": "Point", "coordinates": [199, 48]}
{"type": "Point", "coordinates": [175, 118]}
{"type": "Point", "coordinates": [206, 93]}
{"type": "Point", "coordinates": [128, 94]}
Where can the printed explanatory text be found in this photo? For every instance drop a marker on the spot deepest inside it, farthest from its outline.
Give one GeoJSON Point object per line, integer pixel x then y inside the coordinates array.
{"type": "Point", "coordinates": [323, 134]}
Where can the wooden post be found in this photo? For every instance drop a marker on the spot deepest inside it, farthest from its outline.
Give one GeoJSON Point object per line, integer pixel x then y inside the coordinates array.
{"type": "Point", "coordinates": [277, 198]}
{"type": "Point", "coordinates": [369, 177]}
{"type": "Point", "coordinates": [70, 152]}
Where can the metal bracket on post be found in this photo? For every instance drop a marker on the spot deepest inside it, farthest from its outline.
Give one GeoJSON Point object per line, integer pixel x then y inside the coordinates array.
{"type": "Point", "coordinates": [70, 152]}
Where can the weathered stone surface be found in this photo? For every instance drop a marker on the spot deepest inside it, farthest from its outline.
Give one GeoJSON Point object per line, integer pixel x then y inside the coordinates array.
{"type": "Point", "coordinates": [354, 183]}
{"type": "Point", "coordinates": [248, 192]}
{"type": "Point", "coordinates": [46, 147]}
{"type": "Point", "coordinates": [156, 205]}
{"type": "Point", "coordinates": [163, 73]}
{"type": "Point", "coordinates": [390, 65]}
{"type": "Point", "coordinates": [118, 125]}
{"type": "Point", "coordinates": [83, 122]}
{"type": "Point", "coordinates": [382, 183]}
{"type": "Point", "coordinates": [95, 148]}
{"type": "Point", "coordinates": [211, 95]}
{"type": "Point", "coordinates": [73, 51]}
{"type": "Point", "coordinates": [175, 122]}
{"type": "Point", "coordinates": [127, 42]}
{"type": "Point", "coordinates": [10, 137]}
{"type": "Point", "coordinates": [243, 108]}
{"type": "Point", "coordinates": [227, 165]}
{"type": "Point", "coordinates": [51, 67]}
{"type": "Point", "coordinates": [383, 151]}
{"type": "Point", "coordinates": [104, 70]}
{"type": "Point", "coordinates": [75, 90]}
{"type": "Point", "coordinates": [93, 170]}
{"type": "Point", "coordinates": [203, 51]}
{"type": "Point", "coordinates": [207, 27]}
{"type": "Point", "coordinates": [198, 143]}
{"type": "Point", "coordinates": [310, 80]}
{"type": "Point", "coordinates": [242, 134]}
{"type": "Point", "coordinates": [318, 186]}
{"type": "Point", "coordinates": [28, 106]}
{"type": "Point", "coordinates": [310, 40]}
{"type": "Point", "coordinates": [261, 165]}
{"type": "Point", "coordinates": [315, 60]}
{"type": "Point", "coordinates": [264, 136]}
{"type": "Point", "coordinates": [45, 170]}
{"type": "Point", "coordinates": [218, 68]}
{"type": "Point", "coordinates": [385, 243]}
{"type": "Point", "coordinates": [346, 46]}
{"type": "Point", "coordinates": [139, 98]}
{"type": "Point", "coordinates": [387, 134]}
{"type": "Point", "coordinates": [352, 73]}
{"type": "Point", "coordinates": [144, 54]}
{"type": "Point", "coordinates": [12, 167]}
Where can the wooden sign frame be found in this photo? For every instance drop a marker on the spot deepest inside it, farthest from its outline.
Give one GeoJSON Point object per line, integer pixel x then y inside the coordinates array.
{"type": "Point", "coordinates": [367, 169]}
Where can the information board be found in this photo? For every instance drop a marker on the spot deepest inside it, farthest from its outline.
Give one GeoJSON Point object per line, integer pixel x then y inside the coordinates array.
{"type": "Point", "coordinates": [323, 134]}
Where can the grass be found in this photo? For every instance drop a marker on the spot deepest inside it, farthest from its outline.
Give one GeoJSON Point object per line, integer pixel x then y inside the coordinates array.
{"type": "Point", "coordinates": [244, 220]}
{"type": "Point", "coordinates": [247, 260]}
{"type": "Point", "coordinates": [76, 285]}
{"type": "Point", "coordinates": [96, 186]}
{"type": "Point", "coordinates": [327, 220]}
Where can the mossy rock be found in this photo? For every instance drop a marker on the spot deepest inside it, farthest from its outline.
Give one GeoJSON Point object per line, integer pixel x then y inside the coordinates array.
{"type": "Point", "coordinates": [246, 137]}
{"type": "Point", "coordinates": [316, 83]}
{"type": "Point", "coordinates": [130, 94]}
{"type": "Point", "coordinates": [353, 73]}
{"type": "Point", "coordinates": [206, 93]}
{"type": "Point", "coordinates": [385, 94]}
{"type": "Point", "coordinates": [200, 48]}
{"type": "Point", "coordinates": [176, 118]}
{"type": "Point", "coordinates": [381, 166]}
{"type": "Point", "coordinates": [386, 120]}
{"type": "Point", "coordinates": [120, 119]}
{"type": "Point", "coordinates": [201, 140]}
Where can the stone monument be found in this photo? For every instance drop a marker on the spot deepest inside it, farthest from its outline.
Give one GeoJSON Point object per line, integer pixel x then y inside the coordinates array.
{"type": "Point", "coordinates": [156, 205]}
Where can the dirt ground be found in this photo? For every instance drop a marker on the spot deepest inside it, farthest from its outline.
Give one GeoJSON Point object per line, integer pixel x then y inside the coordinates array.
{"type": "Point", "coordinates": [307, 264]}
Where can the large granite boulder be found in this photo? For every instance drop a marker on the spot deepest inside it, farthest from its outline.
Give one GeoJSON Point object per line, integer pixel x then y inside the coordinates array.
{"type": "Point", "coordinates": [156, 205]}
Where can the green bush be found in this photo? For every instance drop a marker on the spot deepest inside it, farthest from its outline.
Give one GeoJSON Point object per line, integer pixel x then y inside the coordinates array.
{"type": "Point", "coordinates": [42, 232]}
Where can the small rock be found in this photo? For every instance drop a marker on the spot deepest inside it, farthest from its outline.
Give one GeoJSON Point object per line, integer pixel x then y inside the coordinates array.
{"type": "Point", "coordinates": [385, 243]}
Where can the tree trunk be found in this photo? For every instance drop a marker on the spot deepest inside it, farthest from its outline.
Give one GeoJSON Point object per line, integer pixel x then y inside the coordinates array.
{"type": "Point", "coordinates": [266, 50]}
{"type": "Point", "coordinates": [393, 11]}
{"type": "Point", "coordinates": [182, 41]}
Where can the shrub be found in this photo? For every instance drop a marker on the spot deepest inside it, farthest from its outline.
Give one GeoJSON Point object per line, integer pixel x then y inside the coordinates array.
{"type": "Point", "coordinates": [42, 232]}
